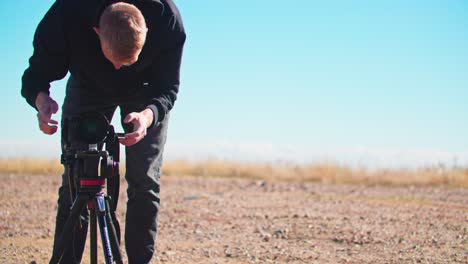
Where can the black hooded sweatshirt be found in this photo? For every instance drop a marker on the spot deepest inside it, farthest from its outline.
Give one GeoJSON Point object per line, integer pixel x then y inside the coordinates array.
{"type": "Point", "coordinates": [65, 41]}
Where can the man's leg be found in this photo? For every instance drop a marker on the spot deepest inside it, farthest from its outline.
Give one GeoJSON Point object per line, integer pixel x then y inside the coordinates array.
{"type": "Point", "coordinates": [143, 171]}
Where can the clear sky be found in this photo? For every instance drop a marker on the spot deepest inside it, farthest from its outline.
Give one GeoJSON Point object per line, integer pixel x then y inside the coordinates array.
{"type": "Point", "coordinates": [377, 83]}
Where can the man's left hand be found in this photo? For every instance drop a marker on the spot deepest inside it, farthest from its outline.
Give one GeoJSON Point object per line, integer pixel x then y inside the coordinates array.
{"type": "Point", "coordinates": [141, 121]}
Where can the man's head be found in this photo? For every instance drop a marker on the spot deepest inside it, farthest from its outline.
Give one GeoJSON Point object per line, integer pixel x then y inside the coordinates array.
{"type": "Point", "coordinates": [122, 32]}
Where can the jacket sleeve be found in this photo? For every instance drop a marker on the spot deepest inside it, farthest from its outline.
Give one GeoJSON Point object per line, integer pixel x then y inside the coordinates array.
{"type": "Point", "coordinates": [166, 76]}
{"type": "Point", "coordinates": [49, 61]}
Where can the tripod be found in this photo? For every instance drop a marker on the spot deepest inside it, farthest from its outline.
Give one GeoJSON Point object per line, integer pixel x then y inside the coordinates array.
{"type": "Point", "coordinates": [81, 159]}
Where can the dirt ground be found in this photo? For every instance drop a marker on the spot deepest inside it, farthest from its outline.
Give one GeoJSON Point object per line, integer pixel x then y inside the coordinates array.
{"type": "Point", "coordinates": [213, 220]}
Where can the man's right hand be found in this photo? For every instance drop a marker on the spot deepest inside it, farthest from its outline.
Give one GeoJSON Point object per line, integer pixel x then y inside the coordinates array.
{"type": "Point", "coordinates": [46, 106]}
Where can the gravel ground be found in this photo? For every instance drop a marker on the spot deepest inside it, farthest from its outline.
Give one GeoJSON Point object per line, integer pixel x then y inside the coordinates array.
{"type": "Point", "coordinates": [214, 220]}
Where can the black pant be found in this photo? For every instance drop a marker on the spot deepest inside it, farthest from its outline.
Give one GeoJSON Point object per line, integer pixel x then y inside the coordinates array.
{"type": "Point", "coordinates": [143, 171]}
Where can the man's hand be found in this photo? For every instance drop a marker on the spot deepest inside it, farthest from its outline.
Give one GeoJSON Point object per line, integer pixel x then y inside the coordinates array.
{"type": "Point", "coordinates": [141, 121]}
{"type": "Point", "coordinates": [46, 106]}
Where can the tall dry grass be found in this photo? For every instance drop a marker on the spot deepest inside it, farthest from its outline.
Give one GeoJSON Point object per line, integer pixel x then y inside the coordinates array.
{"type": "Point", "coordinates": [320, 172]}
{"type": "Point", "coordinates": [30, 166]}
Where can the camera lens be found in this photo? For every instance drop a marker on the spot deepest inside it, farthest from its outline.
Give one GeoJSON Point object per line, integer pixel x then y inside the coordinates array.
{"type": "Point", "coordinates": [93, 128]}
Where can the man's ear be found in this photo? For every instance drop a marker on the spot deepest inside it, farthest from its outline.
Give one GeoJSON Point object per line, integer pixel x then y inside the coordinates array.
{"type": "Point", "coordinates": [96, 30]}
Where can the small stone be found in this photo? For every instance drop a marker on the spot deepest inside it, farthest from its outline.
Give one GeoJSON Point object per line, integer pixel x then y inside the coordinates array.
{"type": "Point", "coordinates": [207, 253]}
{"type": "Point", "coordinates": [230, 253]}
{"type": "Point", "coordinates": [281, 233]}
{"type": "Point", "coordinates": [169, 253]}
{"type": "Point", "coordinates": [266, 237]}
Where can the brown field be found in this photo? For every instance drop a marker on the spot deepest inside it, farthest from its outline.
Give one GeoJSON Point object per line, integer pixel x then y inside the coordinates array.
{"type": "Point", "coordinates": [218, 212]}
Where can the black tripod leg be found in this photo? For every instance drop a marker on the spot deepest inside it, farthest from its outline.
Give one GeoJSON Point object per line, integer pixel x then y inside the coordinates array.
{"type": "Point", "coordinates": [67, 233]}
{"type": "Point", "coordinates": [113, 235]}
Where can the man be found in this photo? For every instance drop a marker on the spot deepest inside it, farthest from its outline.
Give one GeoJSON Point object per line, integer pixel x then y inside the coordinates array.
{"type": "Point", "coordinates": [125, 54]}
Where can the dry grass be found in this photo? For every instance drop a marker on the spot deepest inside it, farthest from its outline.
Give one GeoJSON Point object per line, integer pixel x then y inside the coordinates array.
{"type": "Point", "coordinates": [30, 166]}
{"type": "Point", "coordinates": [324, 172]}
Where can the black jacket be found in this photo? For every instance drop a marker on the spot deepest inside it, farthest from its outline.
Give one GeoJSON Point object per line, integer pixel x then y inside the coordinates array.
{"type": "Point", "coordinates": [65, 41]}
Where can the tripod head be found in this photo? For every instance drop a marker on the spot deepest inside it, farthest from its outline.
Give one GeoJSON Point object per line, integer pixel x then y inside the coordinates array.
{"type": "Point", "coordinates": [90, 143]}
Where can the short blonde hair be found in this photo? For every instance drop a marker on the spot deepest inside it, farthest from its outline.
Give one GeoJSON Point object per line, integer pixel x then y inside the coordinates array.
{"type": "Point", "coordinates": [123, 27]}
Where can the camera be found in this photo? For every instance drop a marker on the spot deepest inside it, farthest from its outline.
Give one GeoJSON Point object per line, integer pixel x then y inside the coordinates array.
{"type": "Point", "coordinates": [88, 128]}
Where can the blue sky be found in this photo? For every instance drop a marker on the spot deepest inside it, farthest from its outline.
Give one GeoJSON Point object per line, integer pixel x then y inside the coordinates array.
{"type": "Point", "coordinates": [376, 83]}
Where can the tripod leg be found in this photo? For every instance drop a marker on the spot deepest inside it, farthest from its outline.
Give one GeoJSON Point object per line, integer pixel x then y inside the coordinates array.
{"type": "Point", "coordinates": [100, 207]}
{"type": "Point", "coordinates": [67, 233]}
{"type": "Point", "coordinates": [113, 235]}
{"type": "Point", "coordinates": [93, 236]}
